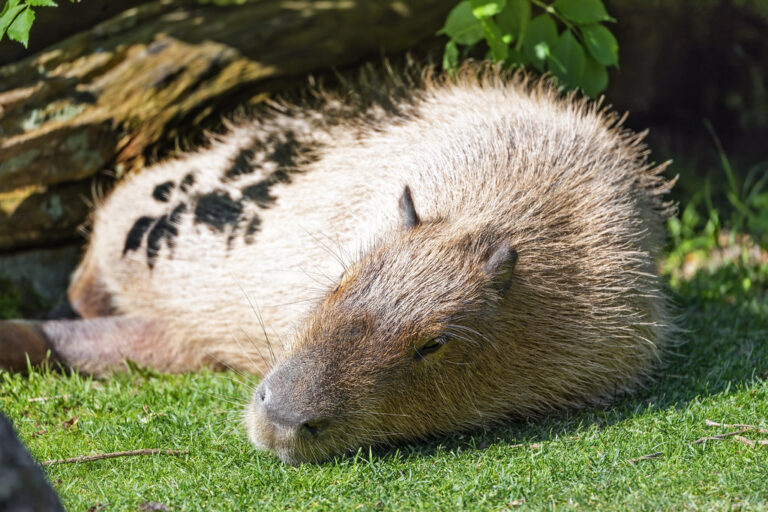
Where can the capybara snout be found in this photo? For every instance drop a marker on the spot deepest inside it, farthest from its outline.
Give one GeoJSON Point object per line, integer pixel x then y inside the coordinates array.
{"type": "Point", "coordinates": [292, 399]}
{"type": "Point", "coordinates": [291, 411]}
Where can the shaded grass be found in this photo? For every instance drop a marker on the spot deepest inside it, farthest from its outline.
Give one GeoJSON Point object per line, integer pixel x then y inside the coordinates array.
{"type": "Point", "coordinates": [580, 459]}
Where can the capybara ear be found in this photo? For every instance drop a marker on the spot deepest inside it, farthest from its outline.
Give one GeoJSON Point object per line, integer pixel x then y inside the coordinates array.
{"type": "Point", "coordinates": [407, 210]}
{"type": "Point", "coordinates": [500, 266]}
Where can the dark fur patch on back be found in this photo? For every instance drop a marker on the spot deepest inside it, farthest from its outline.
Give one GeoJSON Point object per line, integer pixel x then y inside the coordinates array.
{"type": "Point", "coordinates": [136, 234]}
{"type": "Point", "coordinates": [250, 231]}
{"type": "Point", "coordinates": [218, 210]}
{"type": "Point", "coordinates": [259, 193]}
{"type": "Point", "coordinates": [176, 213]}
{"type": "Point", "coordinates": [242, 164]}
{"type": "Point", "coordinates": [162, 230]}
{"type": "Point", "coordinates": [284, 151]}
{"type": "Point", "coordinates": [187, 182]}
{"type": "Point", "coordinates": [285, 154]}
{"type": "Point", "coordinates": [163, 191]}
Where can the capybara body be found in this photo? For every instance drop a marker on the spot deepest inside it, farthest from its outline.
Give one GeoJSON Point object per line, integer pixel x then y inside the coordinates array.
{"type": "Point", "coordinates": [407, 258]}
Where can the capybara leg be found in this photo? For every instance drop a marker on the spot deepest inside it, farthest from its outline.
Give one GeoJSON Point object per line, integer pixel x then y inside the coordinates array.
{"type": "Point", "coordinates": [19, 340]}
{"type": "Point", "coordinates": [94, 346]}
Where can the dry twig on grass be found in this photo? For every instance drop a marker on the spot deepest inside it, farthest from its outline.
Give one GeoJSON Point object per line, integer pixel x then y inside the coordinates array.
{"type": "Point", "coordinates": [112, 455]}
{"type": "Point", "coordinates": [736, 435]}
{"type": "Point", "coordinates": [718, 437]}
{"type": "Point", "coordinates": [742, 426]}
{"type": "Point", "coordinates": [751, 442]}
{"type": "Point", "coordinates": [650, 456]}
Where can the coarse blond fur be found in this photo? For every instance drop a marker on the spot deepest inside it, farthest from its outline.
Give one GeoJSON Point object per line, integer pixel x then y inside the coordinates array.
{"type": "Point", "coordinates": [497, 164]}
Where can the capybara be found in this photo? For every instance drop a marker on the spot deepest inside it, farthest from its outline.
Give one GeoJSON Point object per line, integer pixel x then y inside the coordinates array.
{"type": "Point", "coordinates": [415, 254]}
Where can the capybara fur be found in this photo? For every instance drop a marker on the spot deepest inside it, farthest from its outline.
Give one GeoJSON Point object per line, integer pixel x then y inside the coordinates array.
{"type": "Point", "coordinates": [417, 254]}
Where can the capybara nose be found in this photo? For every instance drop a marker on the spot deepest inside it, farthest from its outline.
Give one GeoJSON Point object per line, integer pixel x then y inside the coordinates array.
{"type": "Point", "coordinates": [282, 412]}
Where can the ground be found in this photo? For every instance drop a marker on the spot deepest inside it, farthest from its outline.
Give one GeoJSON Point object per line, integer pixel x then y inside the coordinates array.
{"type": "Point", "coordinates": [588, 459]}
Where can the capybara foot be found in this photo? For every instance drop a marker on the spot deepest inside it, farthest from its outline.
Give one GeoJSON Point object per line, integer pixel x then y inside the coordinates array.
{"type": "Point", "coordinates": [22, 340]}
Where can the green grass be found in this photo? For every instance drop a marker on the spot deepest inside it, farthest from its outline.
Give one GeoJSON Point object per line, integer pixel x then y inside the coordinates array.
{"type": "Point", "coordinates": [578, 460]}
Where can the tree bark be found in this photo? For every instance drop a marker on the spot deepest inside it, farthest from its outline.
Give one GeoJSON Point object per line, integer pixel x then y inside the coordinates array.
{"type": "Point", "coordinates": [114, 96]}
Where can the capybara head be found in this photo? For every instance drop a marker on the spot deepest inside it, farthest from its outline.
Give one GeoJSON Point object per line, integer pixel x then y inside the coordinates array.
{"type": "Point", "coordinates": [399, 349]}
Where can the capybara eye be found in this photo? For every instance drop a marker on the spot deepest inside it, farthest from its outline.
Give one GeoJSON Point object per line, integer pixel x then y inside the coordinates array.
{"type": "Point", "coordinates": [432, 346]}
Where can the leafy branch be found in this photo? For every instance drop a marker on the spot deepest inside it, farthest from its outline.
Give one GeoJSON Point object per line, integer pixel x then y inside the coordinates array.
{"type": "Point", "coordinates": [577, 56]}
{"type": "Point", "coordinates": [17, 17]}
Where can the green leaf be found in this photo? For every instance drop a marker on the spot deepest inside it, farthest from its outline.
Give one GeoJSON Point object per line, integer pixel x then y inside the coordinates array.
{"type": "Point", "coordinates": [567, 60]}
{"type": "Point", "coordinates": [514, 58]}
{"type": "Point", "coordinates": [451, 56]}
{"type": "Point", "coordinates": [582, 11]}
{"type": "Point", "coordinates": [462, 26]}
{"type": "Point", "coordinates": [601, 44]}
{"type": "Point", "coordinates": [41, 3]}
{"type": "Point", "coordinates": [539, 39]}
{"type": "Point", "coordinates": [760, 201]}
{"type": "Point", "coordinates": [514, 18]}
{"type": "Point", "coordinates": [9, 4]}
{"type": "Point", "coordinates": [9, 14]}
{"type": "Point", "coordinates": [595, 78]}
{"type": "Point", "coordinates": [494, 38]}
{"type": "Point", "coordinates": [487, 8]}
{"type": "Point", "coordinates": [19, 29]}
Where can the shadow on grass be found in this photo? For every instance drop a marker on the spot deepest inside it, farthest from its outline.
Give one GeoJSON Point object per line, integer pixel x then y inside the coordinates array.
{"type": "Point", "coordinates": [723, 346]}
